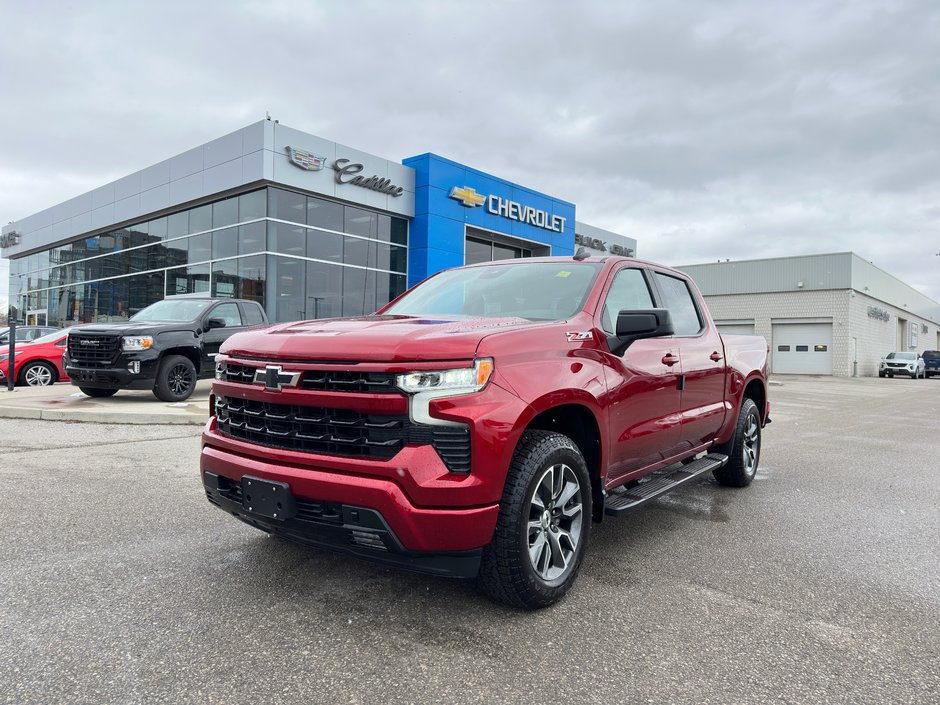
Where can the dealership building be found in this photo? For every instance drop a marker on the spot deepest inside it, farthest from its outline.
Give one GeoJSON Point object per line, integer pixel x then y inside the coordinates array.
{"type": "Point", "coordinates": [829, 314]}
{"type": "Point", "coordinates": [312, 229]}
{"type": "Point", "coordinates": [307, 227]}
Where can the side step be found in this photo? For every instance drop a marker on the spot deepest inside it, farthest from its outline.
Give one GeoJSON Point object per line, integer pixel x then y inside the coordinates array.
{"type": "Point", "coordinates": [621, 501]}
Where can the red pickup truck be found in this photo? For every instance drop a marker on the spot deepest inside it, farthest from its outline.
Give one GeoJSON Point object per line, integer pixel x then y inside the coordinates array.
{"type": "Point", "coordinates": [478, 424]}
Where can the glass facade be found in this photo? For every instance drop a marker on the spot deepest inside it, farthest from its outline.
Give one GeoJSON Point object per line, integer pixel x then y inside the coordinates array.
{"type": "Point", "coordinates": [299, 256]}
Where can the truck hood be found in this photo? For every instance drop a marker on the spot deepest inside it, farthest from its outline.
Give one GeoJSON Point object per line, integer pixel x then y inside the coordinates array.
{"type": "Point", "coordinates": [134, 328]}
{"type": "Point", "coordinates": [372, 338]}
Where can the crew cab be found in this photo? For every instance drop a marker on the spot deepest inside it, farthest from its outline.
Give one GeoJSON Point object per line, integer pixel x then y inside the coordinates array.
{"type": "Point", "coordinates": [477, 425]}
{"type": "Point", "coordinates": [165, 347]}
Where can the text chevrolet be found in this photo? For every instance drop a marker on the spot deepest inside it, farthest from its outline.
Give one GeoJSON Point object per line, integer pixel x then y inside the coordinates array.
{"type": "Point", "coordinates": [477, 425]}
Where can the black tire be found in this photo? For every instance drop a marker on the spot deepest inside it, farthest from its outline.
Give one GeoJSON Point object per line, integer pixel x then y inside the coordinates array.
{"type": "Point", "coordinates": [38, 374]}
{"type": "Point", "coordinates": [520, 566]}
{"type": "Point", "coordinates": [92, 392]}
{"type": "Point", "coordinates": [176, 379]}
{"type": "Point", "coordinates": [891, 375]}
{"type": "Point", "coordinates": [881, 374]}
{"type": "Point", "coordinates": [743, 450]}
{"type": "Point", "coordinates": [914, 374]}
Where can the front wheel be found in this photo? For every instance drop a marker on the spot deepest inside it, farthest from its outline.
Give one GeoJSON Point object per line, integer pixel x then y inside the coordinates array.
{"type": "Point", "coordinates": [743, 450]}
{"type": "Point", "coordinates": [176, 379]}
{"type": "Point", "coordinates": [543, 526]}
{"type": "Point", "coordinates": [38, 374]}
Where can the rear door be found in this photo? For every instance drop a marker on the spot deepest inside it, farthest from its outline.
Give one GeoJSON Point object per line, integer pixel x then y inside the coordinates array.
{"type": "Point", "coordinates": [642, 383]}
{"type": "Point", "coordinates": [703, 363]}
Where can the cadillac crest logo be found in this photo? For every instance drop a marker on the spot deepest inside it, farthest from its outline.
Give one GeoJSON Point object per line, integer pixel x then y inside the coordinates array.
{"type": "Point", "coordinates": [305, 160]}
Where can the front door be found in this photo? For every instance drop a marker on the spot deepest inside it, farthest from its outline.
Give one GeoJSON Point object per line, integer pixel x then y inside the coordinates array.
{"type": "Point", "coordinates": [212, 339]}
{"type": "Point", "coordinates": [642, 384]}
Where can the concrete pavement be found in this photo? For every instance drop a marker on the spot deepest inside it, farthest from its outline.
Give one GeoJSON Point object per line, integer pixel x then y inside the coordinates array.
{"type": "Point", "coordinates": [65, 402]}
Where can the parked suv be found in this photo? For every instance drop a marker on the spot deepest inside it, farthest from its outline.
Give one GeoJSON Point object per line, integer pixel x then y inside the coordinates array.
{"type": "Point", "coordinates": [902, 363]}
{"type": "Point", "coordinates": [931, 362]}
{"type": "Point", "coordinates": [165, 347]}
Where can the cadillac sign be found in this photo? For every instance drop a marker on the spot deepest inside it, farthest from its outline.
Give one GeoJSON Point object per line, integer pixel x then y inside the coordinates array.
{"type": "Point", "coordinates": [9, 239]}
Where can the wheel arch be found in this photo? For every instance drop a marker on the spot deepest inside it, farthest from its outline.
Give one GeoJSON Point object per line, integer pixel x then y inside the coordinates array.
{"type": "Point", "coordinates": [186, 351]}
{"type": "Point", "coordinates": [578, 422]}
{"type": "Point", "coordinates": [756, 391]}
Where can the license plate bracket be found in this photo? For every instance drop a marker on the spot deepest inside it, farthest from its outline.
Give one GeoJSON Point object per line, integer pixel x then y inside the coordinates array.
{"type": "Point", "coordinates": [267, 498]}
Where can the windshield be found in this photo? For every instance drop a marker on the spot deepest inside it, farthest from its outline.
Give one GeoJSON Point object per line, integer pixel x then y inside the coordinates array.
{"type": "Point", "coordinates": [538, 291]}
{"type": "Point", "coordinates": [902, 356]}
{"type": "Point", "coordinates": [172, 310]}
{"type": "Point", "coordinates": [50, 337]}
{"type": "Point", "coordinates": [931, 354]}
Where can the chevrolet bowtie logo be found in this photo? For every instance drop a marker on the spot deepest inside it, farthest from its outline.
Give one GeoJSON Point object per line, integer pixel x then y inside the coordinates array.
{"type": "Point", "coordinates": [274, 377]}
{"type": "Point", "coordinates": [468, 196]}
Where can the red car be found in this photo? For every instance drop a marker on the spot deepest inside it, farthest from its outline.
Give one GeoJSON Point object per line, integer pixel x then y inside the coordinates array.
{"type": "Point", "coordinates": [39, 363]}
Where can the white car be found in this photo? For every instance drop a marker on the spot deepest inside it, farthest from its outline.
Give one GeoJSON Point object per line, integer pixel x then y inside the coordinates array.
{"type": "Point", "coordinates": [902, 363]}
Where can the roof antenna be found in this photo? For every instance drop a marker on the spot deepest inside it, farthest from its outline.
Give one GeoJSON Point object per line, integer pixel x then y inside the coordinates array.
{"type": "Point", "coordinates": [581, 254]}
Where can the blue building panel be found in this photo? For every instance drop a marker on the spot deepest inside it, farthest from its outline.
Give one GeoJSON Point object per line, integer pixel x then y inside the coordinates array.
{"type": "Point", "coordinates": [480, 200]}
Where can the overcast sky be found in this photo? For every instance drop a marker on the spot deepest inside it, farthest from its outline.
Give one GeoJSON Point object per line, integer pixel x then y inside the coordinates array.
{"type": "Point", "coordinates": [704, 130]}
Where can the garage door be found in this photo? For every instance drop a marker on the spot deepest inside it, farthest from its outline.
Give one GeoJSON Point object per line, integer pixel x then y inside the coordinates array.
{"type": "Point", "coordinates": [735, 328]}
{"type": "Point", "coordinates": [802, 348]}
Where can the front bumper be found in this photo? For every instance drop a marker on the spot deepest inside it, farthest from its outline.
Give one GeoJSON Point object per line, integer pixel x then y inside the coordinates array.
{"type": "Point", "coordinates": [120, 375]}
{"type": "Point", "coordinates": [368, 517]}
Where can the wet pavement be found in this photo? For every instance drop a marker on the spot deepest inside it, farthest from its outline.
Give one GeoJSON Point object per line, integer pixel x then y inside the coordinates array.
{"type": "Point", "coordinates": [820, 583]}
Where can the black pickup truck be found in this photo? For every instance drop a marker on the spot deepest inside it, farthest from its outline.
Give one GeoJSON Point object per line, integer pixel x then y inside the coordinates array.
{"type": "Point", "coordinates": [165, 347]}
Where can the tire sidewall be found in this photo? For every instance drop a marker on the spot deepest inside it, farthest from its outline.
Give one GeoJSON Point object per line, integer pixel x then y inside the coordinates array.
{"type": "Point", "coordinates": [162, 388]}
{"type": "Point", "coordinates": [570, 456]}
{"type": "Point", "coordinates": [750, 410]}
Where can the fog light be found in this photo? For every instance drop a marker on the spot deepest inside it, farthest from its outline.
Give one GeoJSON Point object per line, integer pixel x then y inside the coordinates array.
{"type": "Point", "coordinates": [134, 367]}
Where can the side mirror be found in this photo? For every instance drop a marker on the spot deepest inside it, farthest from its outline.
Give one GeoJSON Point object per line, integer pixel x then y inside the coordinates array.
{"type": "Point", "coordinates": [215, 323]}
{"type": "Point", "coordinates": [639, 324]}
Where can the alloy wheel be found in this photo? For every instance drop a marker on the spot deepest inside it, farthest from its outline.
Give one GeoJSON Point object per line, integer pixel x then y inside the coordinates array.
{"type": "Point", "coordinates": [751, 445]}
{"type": "Point", "coordinates": [38, 376]}
{"type": "Point", "coordinates": [555, 522]}
{"type": "Point", "coordinates": [179, 379]}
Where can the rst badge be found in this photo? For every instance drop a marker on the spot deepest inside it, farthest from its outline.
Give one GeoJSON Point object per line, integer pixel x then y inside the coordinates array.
{"type": "Point", "coordinates": [579, 336]}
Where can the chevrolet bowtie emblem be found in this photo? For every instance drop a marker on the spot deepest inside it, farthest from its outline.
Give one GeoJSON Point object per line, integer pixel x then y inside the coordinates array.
{"type": "Point", "coordinates": [468, 196]}
{"type": "Point", "coordinates": [274, 377]}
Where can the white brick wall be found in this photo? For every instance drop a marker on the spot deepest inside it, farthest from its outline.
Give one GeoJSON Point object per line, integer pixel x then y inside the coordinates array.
{"type": "Point", "coordinates": [852, 327]}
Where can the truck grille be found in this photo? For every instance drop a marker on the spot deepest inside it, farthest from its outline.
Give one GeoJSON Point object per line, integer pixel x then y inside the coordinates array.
{"type": "Point", "coordinates": [323, 381]}
{"type": "Point", "coordinates": [337, 431]}
{"type": "Point", "coordinates": [86, 350]}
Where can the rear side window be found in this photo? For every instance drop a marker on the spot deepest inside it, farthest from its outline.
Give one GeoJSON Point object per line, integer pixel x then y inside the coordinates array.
{"type": "Point", "coordinates": [678, 299]}
{"type": "Point", "coordinates": [627, 291]}
{"type": "Point", "coordinates": [252, 314]}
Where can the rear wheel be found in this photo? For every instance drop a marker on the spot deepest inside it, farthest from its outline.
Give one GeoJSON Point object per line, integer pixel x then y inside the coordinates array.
{"type": "Point", "coordinates": [176, 379]}
{"type": "Point", "coordinates": [543, 526]}
{"type": "Point", "coordinates": [38, 374]}
{"type": "Point", "coordinates": [743, 450]}
{"type": "Point", "coordinates": [90, 391]}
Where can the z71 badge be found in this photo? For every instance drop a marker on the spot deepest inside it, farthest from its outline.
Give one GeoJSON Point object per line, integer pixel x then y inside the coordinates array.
{"type": "Point", "coordinates": [579, 336]}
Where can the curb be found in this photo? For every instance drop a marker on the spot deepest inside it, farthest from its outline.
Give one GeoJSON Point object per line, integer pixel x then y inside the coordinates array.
{"type": "Point", "coordinates": [106, 417]}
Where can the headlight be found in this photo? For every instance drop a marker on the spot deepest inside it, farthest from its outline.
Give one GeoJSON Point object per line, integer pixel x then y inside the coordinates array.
{"type": "Point", "coordinates": [6, 356]}
{"type": "Point", "coordinates": [461, 381]}
{"type": "Point", "coordinates": [137, 343]}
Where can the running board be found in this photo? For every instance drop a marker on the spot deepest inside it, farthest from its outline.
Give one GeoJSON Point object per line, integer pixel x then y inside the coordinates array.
{"type": "Point", "coordinates": [621, 501]}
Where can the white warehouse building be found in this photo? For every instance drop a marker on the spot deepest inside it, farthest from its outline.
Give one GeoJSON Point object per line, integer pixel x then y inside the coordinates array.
{"type": "Point", "coordinates": [830, 314]}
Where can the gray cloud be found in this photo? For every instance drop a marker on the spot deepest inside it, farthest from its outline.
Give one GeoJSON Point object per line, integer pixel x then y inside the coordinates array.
{"type": "Point", "coordinates": [705, 131]}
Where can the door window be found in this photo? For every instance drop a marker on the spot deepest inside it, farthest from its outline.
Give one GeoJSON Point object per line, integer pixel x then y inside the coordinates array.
{"type": "Point", "coordinates": [678, 299]}
{"type": "Point", "coordinates": [627, 291]}
{"type": "Point", "coordinates": [228, 313]}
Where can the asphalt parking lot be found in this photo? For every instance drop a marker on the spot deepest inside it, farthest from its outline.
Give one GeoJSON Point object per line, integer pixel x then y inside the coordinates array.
{"type": "Point", "coordinates": [818, 584]}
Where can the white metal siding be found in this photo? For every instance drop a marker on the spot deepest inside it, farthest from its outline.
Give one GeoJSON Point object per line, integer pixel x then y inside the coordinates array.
{"type": "Point", "coordinates": [810, 348]}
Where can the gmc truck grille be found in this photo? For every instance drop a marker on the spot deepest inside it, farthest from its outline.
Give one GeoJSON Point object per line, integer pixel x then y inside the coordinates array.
{"type": "Point", "coordinates": [337, 431]}
{"type": "Point", "coordinates": [323, 381]}
{"type": "Point", "coordinates": [93, 350]}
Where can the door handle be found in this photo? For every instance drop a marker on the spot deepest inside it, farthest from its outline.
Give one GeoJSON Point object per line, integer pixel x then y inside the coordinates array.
{"type": "Point", "coordinates": [670, 359]}
{"type": "Point", "coordinates": [715, 356]}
